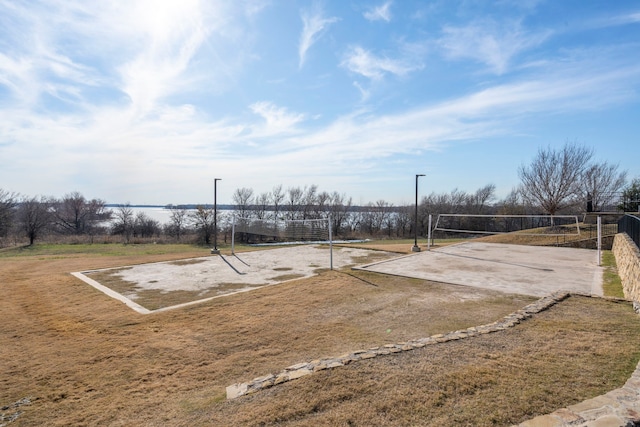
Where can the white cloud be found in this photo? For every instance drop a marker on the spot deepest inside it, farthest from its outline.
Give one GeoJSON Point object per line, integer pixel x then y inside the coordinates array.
{"type": "Point", "coordinates": [16, 74]}
{"type": "Point", "coordinates": [367, 64]}
{"type": "Point", "coordinates": [126, 103]}
{"type": "Point", "coordinates": [365, 138]}
{"type": "Point", "coordinates": [278, 119]}
{"type": "Point", "coordinates": [490, 42]}
{"type": "Point", "coordinates": [379, 13]}
{"type": "Point", "coordinates": [177, 147]}
{"type": "Point", "coordinates": [364, 93]}
{"type": "Point", "coordinates": [314, 24]}
{"type": "Point", "coordinates": [625, 19]}
{"type": "Point", "coordinates": [144, 51]}
{"type": "Point", "coordinates": [173, 33]}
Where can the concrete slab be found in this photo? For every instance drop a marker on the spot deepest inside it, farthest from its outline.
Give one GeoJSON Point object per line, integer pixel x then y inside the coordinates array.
{"type": "Point", "coordinates": [225, 274]}
{"type": "Point", "coordinates": [528, 270]}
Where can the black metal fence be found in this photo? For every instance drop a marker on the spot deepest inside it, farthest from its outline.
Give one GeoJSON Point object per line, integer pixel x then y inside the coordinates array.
{"type": "Point", "coordinates": [630, 224]}
{"type": "Point", "coordinates": [590, 231]}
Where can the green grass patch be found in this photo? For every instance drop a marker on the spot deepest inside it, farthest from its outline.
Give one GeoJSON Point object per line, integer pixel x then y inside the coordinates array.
{"type": "Point", "coordinates": [611, 283]}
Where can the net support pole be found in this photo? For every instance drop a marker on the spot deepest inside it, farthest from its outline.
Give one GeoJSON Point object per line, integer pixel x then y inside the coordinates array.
{"type": "Point", "coordinates": [599, 241]}
{"type": "Point", "coordinates": [429, 235]}
{"type": "Point", "coordinates": [233, 234]}
{"type": "Point", "coordinates": [330, 244]}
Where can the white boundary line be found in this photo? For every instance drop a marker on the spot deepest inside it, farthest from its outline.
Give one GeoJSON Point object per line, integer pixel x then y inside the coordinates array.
{"type": "Point", "coordinates": [113, 294]}
{"type": "Point", "coordinates": [140, 309]}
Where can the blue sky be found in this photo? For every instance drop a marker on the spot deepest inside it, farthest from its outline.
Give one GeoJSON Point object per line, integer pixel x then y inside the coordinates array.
{"type": "Point", "coordinates": [148, 101]}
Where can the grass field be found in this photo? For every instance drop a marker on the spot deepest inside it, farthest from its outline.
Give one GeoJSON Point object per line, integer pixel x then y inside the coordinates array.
{"type": "Point", "coordinates": [82, 358]}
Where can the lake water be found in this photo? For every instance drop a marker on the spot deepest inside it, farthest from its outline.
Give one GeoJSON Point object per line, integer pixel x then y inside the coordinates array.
{"type": "Point", "coordinates": [162, 215]}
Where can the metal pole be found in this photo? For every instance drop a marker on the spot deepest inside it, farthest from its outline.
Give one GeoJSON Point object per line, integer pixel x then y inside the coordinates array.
{"type": "Point", "coordinates": [599, 241]}
{"type": "Point", "coordinates": [215, 216]}
{"type": "Point", "coordinates": [330, 244]}
{"type": "Point", "coordinates": [429, 235]}
{"type": "Point", "coordinates": [233, 233]}
{"type": "Point", "coordinates": [415, 247]}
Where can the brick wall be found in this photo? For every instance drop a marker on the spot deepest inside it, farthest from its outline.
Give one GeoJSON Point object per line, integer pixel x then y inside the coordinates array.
{"type": "Point", "coordinates": [628, 261]}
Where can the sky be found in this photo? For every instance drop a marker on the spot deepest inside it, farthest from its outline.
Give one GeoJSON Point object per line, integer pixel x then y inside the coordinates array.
{"type": "Point", "coordinates": [148, 101]}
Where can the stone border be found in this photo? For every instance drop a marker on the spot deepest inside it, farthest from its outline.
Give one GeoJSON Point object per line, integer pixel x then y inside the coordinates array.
{"type": "Point", "coordinates": [619, 407]}
{"type": "Point", "coordinates": [306, 368]}
{"type": "Point", "coordinates": [628, 260]}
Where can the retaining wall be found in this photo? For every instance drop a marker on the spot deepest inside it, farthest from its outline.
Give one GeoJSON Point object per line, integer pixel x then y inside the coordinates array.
{"type": "Point", "coordinates": [628, 261]}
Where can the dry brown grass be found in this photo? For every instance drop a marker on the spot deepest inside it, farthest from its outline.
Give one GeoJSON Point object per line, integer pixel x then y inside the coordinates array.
{"type": "Point", "coordinates": [87, 359]}
{"type": "Point", "coordinates": [559, 358]}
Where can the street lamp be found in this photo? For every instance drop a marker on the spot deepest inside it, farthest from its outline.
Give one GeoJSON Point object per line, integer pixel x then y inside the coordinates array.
{"type": "Point", "coordinates": [415, 247]}
{"type": "Point", "coordinates": [215, 249]}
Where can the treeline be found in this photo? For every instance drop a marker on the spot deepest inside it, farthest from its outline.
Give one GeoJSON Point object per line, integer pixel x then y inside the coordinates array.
{"type": "Point", "coordinates": [78, 219]}
{"type": "Point", "coordinates": [74, 217]}
{"type": "Point", "coordinates": [562, 181]}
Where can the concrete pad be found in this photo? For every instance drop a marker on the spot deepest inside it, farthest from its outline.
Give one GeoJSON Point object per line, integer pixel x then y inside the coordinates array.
{"type": "Point", "coordinates": [528, 270]}
{"type": "Point", "coordinates": [225, 274]}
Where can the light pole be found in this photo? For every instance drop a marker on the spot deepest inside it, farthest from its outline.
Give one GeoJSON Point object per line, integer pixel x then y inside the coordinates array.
{"type": "Point", "coordinates": [415, 247]}
{"type": "Point", "coordinates": [215, 249]}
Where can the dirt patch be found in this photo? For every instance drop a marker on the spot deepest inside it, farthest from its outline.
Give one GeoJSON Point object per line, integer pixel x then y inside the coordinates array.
{"type": "Point", "coordinates": [187, 262]}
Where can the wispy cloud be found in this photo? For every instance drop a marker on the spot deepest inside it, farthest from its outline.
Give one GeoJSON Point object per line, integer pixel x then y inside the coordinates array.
{"type": "Point", "coordinates": [179, 146]}
{"type": "Point", "coordinates": [173, 32]}
{"type": "Point", "coordinates": [144, 100]}
{"type": "Point", "coordinates": [379, 13]}
{"type": "Point", "coordinates": [492, 43]}
{"type": "Point", "coordinates": [361, 61]}
{"type": "Point", "coordinates": [145, 51]}
{"type": "Point", "coordinates": [278, 119]}
{"type": "Point", "coordinates": [314, 24]}
{"type": "Point", "coordinates": [623, 19]}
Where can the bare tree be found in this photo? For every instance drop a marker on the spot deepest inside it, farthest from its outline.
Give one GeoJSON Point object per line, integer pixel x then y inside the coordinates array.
{"type": "Point", "coordinates": [202, 219]}
{"type": "Point", "coordinates": [512, 204]}
{"type": "Point", "coordinates": [455, 201]}
{"type": "Point", "coordinates": [340, 208]}
{"type": "Point", "coordinates": [321, 208]}
{"type": "Point", "coordinates": [123, 222]}
{"type": "Point", "coordinates": [294, 200]}
{"type": "Point", "coordinates": [34, 217]}
{"type": "Point", "coordinates": [242, 198]}
{"type": "Point", "coordinates": [602, 182]}
{"type": "Point", "coordinates": [8, 202]}
{"type": "Point", "coordinates": [262, 203]}
{"type": "Point", "coordinates": [309, 200]}
{"type": "Point", "coordinates": [277, 197]}
{"type": "Point", "coordinates": [403, 220]}
{"type": "Point", "coordinates": [144, 226]}
{"type": "Point", "coordinates": [74, 214]}
{"type": "Point", "coordinates": [481, 198]}
{"type": "Point", "coordinates": [553, 179]}
{"type": "Point", "coordinates": [381, 214]}
{"type": "Point", "coordinates": [177, 221]}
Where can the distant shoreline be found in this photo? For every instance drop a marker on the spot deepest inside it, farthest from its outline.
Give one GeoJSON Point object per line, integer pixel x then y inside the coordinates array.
{"type": "Point", "coordinates": [185, 206]}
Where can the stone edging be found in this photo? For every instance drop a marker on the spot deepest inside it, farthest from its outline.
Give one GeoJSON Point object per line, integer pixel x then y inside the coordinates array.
{"type": "Point", "coordinates": [619, 407]}
{"type": "Point", "coordinates": [306, 368]}
{"type": "Point", "coordinates": [628, 260]}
